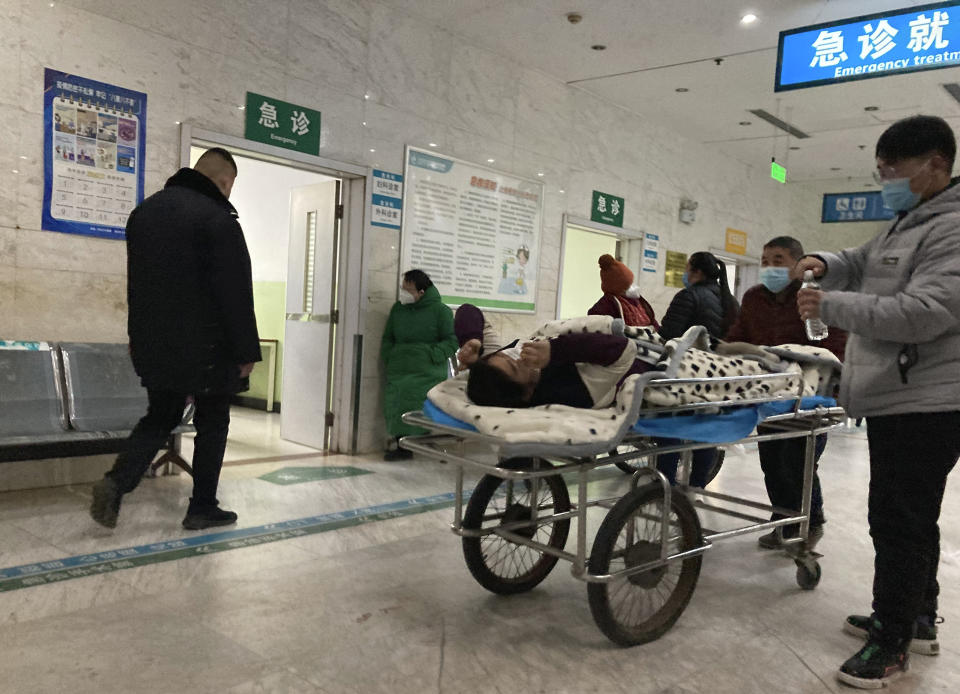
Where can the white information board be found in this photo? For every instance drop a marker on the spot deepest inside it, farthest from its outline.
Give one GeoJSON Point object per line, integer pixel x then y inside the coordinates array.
{"type": "Point", "coordinates": [474, 230]}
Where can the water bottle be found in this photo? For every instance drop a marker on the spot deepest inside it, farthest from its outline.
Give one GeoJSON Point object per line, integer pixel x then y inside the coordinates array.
{"type": "Point", "coordinates": [816, 328]}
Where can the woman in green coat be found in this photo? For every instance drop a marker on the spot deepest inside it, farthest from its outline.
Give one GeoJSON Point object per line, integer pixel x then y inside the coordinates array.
{"type": "Point", "coordinates": [416, 343]}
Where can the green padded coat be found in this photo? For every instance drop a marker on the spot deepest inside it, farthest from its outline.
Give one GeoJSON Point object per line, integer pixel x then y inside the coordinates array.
{"type": "Point", "coordinates": [416, 343]}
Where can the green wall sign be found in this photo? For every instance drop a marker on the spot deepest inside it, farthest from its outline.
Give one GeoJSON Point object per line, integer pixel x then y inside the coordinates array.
{"type": "Point", "coordinates": [282, 124]}
{"type": "Point", "coordinates": [777, 172]}
{"type": "Point", "coordinates": [607, 209]}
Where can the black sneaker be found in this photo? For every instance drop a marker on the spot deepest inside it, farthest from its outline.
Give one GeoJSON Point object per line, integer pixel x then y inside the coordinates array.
{"type": "Point", "coordinates": [105, 506]}
{"type": "Point", "coordinates": [208, 517]}
{"type": "Point", "coordinates": [877, 664]}
{"type": "Point", "coordinates": [924, 632]}
{"type": "Point", "coordinates": [397, 454]}
{"type": "Point", "coordinates": [774, 539]}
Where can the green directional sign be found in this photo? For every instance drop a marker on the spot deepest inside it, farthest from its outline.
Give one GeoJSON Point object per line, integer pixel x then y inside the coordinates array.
{"type": "Point", "coordinates": [606, 209]}
{"type": "Point", "coordinates": [299, 475]}
{"type": "Point", "coordinates": [282, 124]}
{"type": "Point", "coordinates": [777, 172]}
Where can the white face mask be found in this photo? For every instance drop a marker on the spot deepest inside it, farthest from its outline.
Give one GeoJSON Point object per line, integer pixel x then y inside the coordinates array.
{"type": "Point", "coordinates": [633, 292]}
{"type": "Point", "coordinates": [406, 297]}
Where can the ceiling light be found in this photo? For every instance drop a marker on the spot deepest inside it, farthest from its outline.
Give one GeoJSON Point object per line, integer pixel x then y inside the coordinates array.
{"type": "Point", "coordinates": [598, 47]}
{"type": "Point", "coordinates": [681, 90]}
{"type": "Point", "coordinates": [835, 168]}
{"type": "Point", "coordinates": [176, 122]}
{"type": "Point", "coordinates": [364, 124]}
{"type": "Point", "coordinates": [490, 161]}
{"type": "Point", "coordinates": [16, 171]}
{"type": "Point", "coordinates": [745, 122]}
{"type": "Point", "coordinates": [372, 150]}
{"type": "Point", "coordinates": [540, 173]}
{"type": "Point", "coordinates": [433, 144]}
{"type": "Point", "coordinates": [794, 148]}
{"type": "Point", "coordinates": [562, 191]}
{"type": "Point", "coordinates": [748, 18]}
{"type": "Point", "coordinates": [23, 156]}
{"type": "Point", "coordinates": [871, 108]}
{"type": "Point", "coordinates": [241, 108]}
{"type": "Point", "coordinates": [366, 96]}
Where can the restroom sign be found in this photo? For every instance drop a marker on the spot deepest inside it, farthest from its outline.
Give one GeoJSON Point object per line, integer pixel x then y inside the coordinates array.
{"type": "Point", "coordinates": [282, 124]}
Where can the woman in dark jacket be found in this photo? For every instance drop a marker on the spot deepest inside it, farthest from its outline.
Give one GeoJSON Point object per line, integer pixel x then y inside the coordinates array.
{"type": "Point", "coordinates": [705, 300]}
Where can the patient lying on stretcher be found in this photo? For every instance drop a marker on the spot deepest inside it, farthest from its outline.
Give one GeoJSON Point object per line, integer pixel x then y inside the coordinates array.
{"type": "Point", "coordinates": [580, 370]}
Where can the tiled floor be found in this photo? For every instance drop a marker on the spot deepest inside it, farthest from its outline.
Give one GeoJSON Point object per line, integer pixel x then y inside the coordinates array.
{"type": "Point", "coordinates": [388, 605]}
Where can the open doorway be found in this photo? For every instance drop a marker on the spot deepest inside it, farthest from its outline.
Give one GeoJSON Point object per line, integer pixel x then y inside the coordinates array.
{"type": "Point", "coordinates": [743, 272]}
{"type": "Point", "coordinates": [291, 215]}
{"type": "Point", "coordinates": [583, 243]}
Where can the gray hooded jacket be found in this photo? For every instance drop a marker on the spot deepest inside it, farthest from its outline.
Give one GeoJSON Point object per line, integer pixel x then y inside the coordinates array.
{"type": "Point", "coordinates": [899, 296]}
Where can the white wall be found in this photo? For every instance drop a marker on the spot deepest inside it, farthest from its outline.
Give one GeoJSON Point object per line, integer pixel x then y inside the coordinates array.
{"type": "Point", "coordinates": [196, 60]}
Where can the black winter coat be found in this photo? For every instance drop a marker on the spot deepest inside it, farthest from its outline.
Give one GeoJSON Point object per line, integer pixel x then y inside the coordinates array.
{"type": "Point", "coordinates": [189, 290]}
{"type": "Point", "coordinates": [697, 305]}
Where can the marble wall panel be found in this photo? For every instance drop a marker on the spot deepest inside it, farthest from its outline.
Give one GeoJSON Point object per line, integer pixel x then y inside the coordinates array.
{"type": "Point", "coordinates": [387, 124]}
{"type": "Point", "coordinates": [468, 146]}
{"type": "Point", "coordinates": [327, 43]}
{"type": "Point", "coordinates": [254, 30]}
{"type": "Point", "coordinates": [482, 93]}
{"type": "Point", "coordinates": [50, 250]}
{"type": "Point", "coordinates": [10, 161]}
{"type": "Point", "coordinates": [56, 305]}
{"type": "Point", "coordinates": [544, 115]}
{"type": "Point", "coordinates": [9, 52]}
{"type": "Point", "coordinates": [408, 64]}
{"type": "Point", "coordinates": [8, 282]}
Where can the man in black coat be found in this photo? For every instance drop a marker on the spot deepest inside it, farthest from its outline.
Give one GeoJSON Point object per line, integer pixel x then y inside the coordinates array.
{"type": "Point", "coordinates": [192, 330]}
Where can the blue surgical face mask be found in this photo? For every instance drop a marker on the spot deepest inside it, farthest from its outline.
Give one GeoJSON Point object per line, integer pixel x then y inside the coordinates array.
{"type": "Point", "coordinates": [897, 195]}
{"type": "Point", "coordinates": [686, 279]}
{"type": "Point", "coordinates": [775, 278]}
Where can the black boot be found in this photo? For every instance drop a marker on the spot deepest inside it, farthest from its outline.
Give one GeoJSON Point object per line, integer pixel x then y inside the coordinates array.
{"type": "Point", "coordinates": [200, 516]}
{"type": "Point", "coordinates": [105, 506]}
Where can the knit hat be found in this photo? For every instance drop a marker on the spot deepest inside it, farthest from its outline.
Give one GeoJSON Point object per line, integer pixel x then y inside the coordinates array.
{"type": "Point", "coordinates": [615, 277]}
{"type": "Point", "coordinates": [468, 324]}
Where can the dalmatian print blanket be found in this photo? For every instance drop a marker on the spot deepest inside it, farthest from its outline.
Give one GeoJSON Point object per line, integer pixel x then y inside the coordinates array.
{"type": "Point", "coordinates": [799, 370]}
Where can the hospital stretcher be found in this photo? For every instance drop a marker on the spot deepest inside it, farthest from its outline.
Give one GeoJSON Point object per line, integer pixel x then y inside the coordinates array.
{"type": "Point", "coordinates": [645, 560]}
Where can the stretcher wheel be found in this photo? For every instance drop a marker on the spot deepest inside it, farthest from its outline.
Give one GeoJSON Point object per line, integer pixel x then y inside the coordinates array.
{"type": "Point", "coordinates": [808, 574]}
{"type": "Point", "coordinates": [717, 464]}
{"type": "Point", "coordinates": [642, 607]}
{"type": "Point", "coordinates": [498, 564]}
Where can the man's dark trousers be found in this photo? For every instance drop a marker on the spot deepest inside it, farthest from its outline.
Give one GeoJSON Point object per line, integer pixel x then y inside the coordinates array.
{"type": "Point", "coordinates": [910, 457]}
{"type": "Point", "coordinates": [165, 410]}
{"type": "Point", "coordinates": [783, 462]}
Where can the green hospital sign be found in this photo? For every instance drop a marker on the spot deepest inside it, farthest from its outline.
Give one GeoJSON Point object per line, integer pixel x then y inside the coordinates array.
{"type": "Point", "coordinates": [282, 124]}
{"type": "Point", "coordinates": [606, 209]}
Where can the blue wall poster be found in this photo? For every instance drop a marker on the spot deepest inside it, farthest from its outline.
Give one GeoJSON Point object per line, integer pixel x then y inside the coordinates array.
{"type": "Point", "coordinates": [926, 37]}
{"type": "Point", "coordinates": [387, 201]}
{"type": "Point", "coordinates": [93, 154]}
{"type": "Point", "coordinates": [855, 207]}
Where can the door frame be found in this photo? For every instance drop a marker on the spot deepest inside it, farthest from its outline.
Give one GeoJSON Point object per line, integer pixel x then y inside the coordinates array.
{"type": "Point", "coordinates": [352, 276]}
{"type": "Point", "coordinates": [747, 266]}
{"type": "Point", "coordinates": [571, 220]}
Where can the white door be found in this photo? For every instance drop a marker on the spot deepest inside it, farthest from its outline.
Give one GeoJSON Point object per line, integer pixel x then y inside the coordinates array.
{"type": "Point", "coordinates": [305, 416]}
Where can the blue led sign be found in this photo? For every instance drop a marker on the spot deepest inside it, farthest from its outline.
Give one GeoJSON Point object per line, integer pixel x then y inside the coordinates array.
{"type": "Point", "coordinates": [876, 45]}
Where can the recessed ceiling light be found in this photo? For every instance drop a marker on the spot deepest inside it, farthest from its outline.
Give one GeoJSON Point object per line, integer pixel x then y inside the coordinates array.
{"type": "Point", "coordinates": [794, 148]}
{"type": "Point", "coordinates": [364, 124]}
{"type": "Point", "coordinates": [745, 122]}
{"type": "Point", "coordinates": [16, 171]}
{"type": "Point", "coordinates": [490, 161]}
{"type": "Point", "coordinates": [540, 173]}
{"type": "Point", "coordinates": [176, 122]}
{"type": "Point", "coordinates": [366, 96]}
{"type": "Point", "coordinates": [433, 144]}
{"type": "Point", "coordinates": [871, 108]}
{"type": "Point", "coordinates": [682, 90]}
{"type": "Point", "coordinates": [598, 47]}
{"type": "Point", "coordinates": [23, 156]}
{"type": "Point", "coordinates": [562, 191]}
{"type": "Point", "coordinates": [241, 108]}
{"type": "Point", "coordinates": [372, 150]}
{"type": "Point", "coordinates": [748, 18]}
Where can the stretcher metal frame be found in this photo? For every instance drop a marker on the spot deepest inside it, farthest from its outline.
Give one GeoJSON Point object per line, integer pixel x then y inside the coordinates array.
{"type": "Point", "coordinates": [447, 444]}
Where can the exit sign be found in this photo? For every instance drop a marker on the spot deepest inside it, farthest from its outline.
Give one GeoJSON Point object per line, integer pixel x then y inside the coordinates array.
{"type": "Point", "coordinates": [777, 172]}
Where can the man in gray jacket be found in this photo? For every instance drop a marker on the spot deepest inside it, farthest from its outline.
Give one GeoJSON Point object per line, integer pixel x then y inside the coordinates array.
{"type": "Point", "coordinates": [899, 296]}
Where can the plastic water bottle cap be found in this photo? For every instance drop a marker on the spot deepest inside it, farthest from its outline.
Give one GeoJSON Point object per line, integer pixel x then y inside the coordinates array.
{"type": "Point", "coordinates": [808, 275]}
